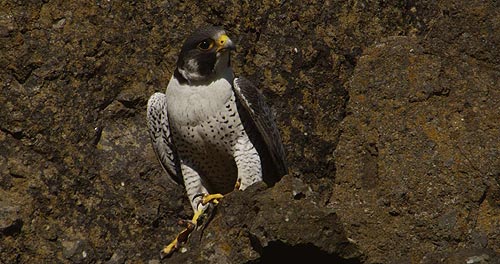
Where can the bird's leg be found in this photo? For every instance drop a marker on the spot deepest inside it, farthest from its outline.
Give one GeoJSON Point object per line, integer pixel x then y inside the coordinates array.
{"type": "Point", "coordinates": [193, 188]}
{"type": "Point", "coordinates": [248, 162]}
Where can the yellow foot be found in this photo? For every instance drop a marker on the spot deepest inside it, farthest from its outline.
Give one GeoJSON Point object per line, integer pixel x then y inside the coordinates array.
{"type": "Point", "coordinates": [182, 237]}
{"type": "Point", "coordinates": [211, 198]}
{"type": "Point", "coordinates": [197, 215]}
{"type": "Point", "coordinates": [170, 248]}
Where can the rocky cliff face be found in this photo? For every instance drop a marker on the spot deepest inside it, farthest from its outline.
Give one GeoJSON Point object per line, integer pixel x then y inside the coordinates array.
{"type": "Point", "coordinates": [389, 114]}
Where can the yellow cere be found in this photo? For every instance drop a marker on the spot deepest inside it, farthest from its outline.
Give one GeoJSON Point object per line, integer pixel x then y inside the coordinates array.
{"type": "Point", "coordinates": [222, 40]}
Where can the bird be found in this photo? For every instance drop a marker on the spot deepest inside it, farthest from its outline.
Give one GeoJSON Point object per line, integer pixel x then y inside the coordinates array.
{"type": "Point", "coordinates": [212, 132]}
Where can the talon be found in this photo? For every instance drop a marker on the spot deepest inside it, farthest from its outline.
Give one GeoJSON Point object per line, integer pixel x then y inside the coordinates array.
{"type": "Point", "coordinates": [214, 198]}
{"type": "Point", "coordinates": [237, 184]}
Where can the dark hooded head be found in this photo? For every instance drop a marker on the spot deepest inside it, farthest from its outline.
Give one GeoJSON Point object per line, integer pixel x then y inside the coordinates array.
{"type": "Point", "coordinates": [204, 55]}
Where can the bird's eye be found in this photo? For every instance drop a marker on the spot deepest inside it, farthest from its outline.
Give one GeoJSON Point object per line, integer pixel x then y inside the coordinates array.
{"type": "Point", "coordinates": [206, 44]}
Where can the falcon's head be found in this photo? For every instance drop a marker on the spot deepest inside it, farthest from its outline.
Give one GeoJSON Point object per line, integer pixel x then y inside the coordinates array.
{"type": "Point", "coordinates": [204, 56]}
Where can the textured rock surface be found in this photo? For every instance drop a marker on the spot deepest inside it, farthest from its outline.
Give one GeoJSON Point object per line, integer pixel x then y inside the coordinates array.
{"type": "Point", "coordinates": [419, 153]}
{"type": "Point", "coordinates": [266, 224]}
{"type": "Point", "coordinates": [472, 256]}
{"type": "Point", "coordinates": [389, 114]}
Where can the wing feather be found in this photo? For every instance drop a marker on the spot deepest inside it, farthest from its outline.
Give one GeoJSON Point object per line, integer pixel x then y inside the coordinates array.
{"type": "Point", "coordinates": [253, 101]}
{"type": "Point", "coordinates": [161, 137]}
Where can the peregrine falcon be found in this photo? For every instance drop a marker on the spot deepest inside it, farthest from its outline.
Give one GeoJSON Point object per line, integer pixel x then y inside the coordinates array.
{"type": "Point", "coordinates": [212, 132]}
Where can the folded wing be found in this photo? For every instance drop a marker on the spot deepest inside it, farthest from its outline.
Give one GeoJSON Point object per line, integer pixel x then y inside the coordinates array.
{"type": "Point", "coordinates": [261, 116]}
{"type": "Point", "coordinates": [161, 137]}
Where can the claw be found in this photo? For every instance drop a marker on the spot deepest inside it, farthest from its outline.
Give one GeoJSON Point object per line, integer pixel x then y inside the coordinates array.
{"type": "Point", "coordinates": [237, 184]}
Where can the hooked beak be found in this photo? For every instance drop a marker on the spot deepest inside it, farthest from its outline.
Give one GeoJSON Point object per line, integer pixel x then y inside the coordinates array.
{"type": "Point", "coordinates": [224, 43]}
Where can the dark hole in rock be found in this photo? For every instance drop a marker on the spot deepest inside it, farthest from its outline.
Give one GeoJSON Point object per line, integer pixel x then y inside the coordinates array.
{"type": "Point", "coordinates": [299, 196]}
{"type": "Point", "coordinates": [13, 229]}
{"type": "Point", "coordinates": [17, 135]}
{"type": "Point", "coordinates": [279, 252]}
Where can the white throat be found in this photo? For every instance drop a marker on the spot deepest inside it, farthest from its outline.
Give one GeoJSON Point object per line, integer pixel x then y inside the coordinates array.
{"type": "Point", "coordinates": [191, 104]}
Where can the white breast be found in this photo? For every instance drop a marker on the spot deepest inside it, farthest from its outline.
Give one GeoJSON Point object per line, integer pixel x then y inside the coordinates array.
{"type": "Point", "coordinates": [190, 105]}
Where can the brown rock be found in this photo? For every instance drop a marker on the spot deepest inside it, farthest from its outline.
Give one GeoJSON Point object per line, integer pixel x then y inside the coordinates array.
{"type": "Point", "coordinates": [262, 225]}
{"type": "Point", "coordinates": [389, 115]}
